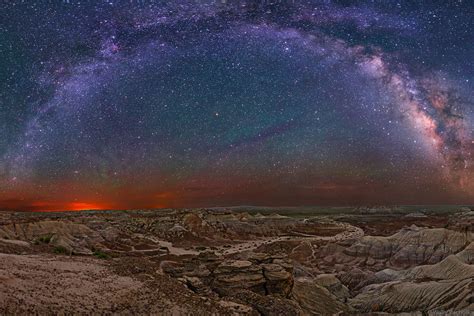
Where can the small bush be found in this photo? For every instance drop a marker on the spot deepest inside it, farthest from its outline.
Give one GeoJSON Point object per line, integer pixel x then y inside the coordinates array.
{"type": "Point", "coordinates": [44, 239]}
{"type": "Point", "coordinates": [100, 254]}
{"type": "Point", "coordinates": [201, 248]}
{"type": "Point", "coordinates": [60, 250]}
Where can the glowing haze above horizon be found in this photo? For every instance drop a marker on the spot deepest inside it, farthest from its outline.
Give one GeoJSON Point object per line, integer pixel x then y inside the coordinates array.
{"type": "Point", "coordinates": [148, 104]}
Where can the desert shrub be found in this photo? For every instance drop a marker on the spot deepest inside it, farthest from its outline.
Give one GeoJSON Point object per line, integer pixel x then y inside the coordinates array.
{"type": "Point", "coordinates": [60, 250]}
{"type": "Point", "coordinates": [100, 254]}
{"type": "Point", "coordinates": [44, 239]}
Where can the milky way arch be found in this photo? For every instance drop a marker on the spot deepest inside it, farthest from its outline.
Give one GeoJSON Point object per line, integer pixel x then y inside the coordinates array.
{"type": "Point", "coordinates": [171, 101]}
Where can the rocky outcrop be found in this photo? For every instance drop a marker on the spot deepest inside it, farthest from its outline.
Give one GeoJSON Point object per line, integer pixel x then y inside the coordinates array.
{"type": "Point", "coordinates": [446, 285]}
{"type": "Point", "coordinates": [303, 252]}
{"type": "Point", "coordinates": [238, 274]}
{"type": "Point", "coordinates": [467, 255]}
{"type": "Point", "coordinates": [333, 285]}
{"type": "Point", "coordinates": [450, 268]}
{"type": "Point", "coordinates": [355, 278]}
{"type": "Point", "coordinates": [267, 304]}
{"type": "Point", "coordinates": [69, 236]}
{"type": "Point", "coordinates": [259, 273]}
{"type": "Point", "coordinates": [409, 247]}
{"type": "Point", "coordinates": [315, 299]}
{"type": "Point", "coordinates": [278, 277]}
{"type": "Point", "coordinates": [398, 297]}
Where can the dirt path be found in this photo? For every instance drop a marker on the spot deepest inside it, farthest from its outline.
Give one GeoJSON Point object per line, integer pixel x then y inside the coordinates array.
{"type": "Point", "coordinates": [172, 249]}
{"type": "Point", "coordinates": [350, 232]}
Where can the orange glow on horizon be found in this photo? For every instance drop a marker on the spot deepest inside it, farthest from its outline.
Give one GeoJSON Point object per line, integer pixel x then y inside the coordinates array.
{"type": "Point", "coordinates": [81, 206]}
{"type": "Point", "coordinates": [46, 206]}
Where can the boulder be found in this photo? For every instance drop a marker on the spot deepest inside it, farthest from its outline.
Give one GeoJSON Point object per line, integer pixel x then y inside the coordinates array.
{"type": "Point", "coordinates": [303, 252]}
{"type": "Point", "coordinates": [278, 279]}
{"type": "Point", "coordinates": [238, 274]}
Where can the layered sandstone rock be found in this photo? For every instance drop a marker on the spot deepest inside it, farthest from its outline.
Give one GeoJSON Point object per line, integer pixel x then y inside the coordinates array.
{"type": "Point", "coordinates": [278, 278]}
{"type": "Point", "coordinates": [397, 297]}
{"type": "Point", "coordinates": [410, 246]}
{"type": "Point", "coordinates": [315, 299]}
{"type": "Point", "coordinates": [333, 285]}
{"type": "Point", "coordinates": [260, 273]}
{"type": "Point", "coordinates": [71, 237]}
{"type": "Point", "coordinates": [239, 274]}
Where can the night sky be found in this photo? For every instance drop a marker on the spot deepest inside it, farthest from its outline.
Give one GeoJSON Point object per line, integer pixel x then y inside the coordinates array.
{"type": "Point", "coordinates": [149, 104]}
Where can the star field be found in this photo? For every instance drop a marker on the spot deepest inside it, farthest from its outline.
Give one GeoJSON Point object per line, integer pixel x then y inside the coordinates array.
{"type": "Point", "coordinates": [147, 104]}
